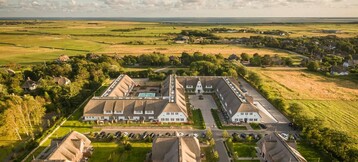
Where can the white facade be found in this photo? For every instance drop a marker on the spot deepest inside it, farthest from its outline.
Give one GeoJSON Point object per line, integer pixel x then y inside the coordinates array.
{"type": "Point", "coordinates": [249, 117]}
{"type": "Point", "coordinates": [199, 87]}
{"type": "Point", "coordinates": [172, 117]}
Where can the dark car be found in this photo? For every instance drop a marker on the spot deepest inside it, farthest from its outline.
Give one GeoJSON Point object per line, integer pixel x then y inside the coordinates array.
{"type": "Point", "coordinates": [118, 134]}
{"type": "Point", "coordinates": [243, 135]}
{"type": "Point", "coordinates": [201, 97]}
{"type": "Point", "coordinates": [263, 126]}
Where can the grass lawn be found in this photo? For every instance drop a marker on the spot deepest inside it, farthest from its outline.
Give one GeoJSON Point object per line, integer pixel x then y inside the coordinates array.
{"type": "Point", "coordinates": [255, 126]}
{"type": "Point", "coordinates": [245, 149]}
{"type": "Point", "coordinates": [332, 99]}
{"type": "Point", "coordinates": [198, 119]}
{"type": "Point", "coordinates": [215, 114]}
{"type": "Point", "coordinates": [111, 151]}
{"type": "Point", "coordinates": [310, 153]}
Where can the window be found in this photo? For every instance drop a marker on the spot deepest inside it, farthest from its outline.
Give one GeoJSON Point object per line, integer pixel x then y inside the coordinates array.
{"type": "Point", "coordinates": [242, 113]}
{"type": "Point", "coordinates": [171, 119]}
{"type": "Point", "coordinates": [251, 119]}
{"type": "Point", "coordinates": [255, 119]}
{"type": "Point", "coordinates": [177, 119]}
{"type": "Point", "coordinates": [167, 119]}
{"type": "Point", "coordinates": [236, 119]}
{"type": "Point", "coordinates": [176, 113]}
{"type": "Point", "coordinates": [168, 113]}
{"type": "Point", "coordinates": [172, 113]}
{"type": "Point", "coordinates": [250, 113]}
{"type": "Point", "coordinates": [246, 113]}
{"type": "Point", "coordinates": [182, 119]}
{"type": "Point", "coordinates": [162, 119]}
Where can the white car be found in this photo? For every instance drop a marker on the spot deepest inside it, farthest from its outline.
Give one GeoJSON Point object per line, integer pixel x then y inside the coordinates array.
{"type": "Point", "coordinates": [181, 134]}
{"type": "Point", "coordinates": [125, 133]}
{"type": "Point", "coordinates": [195, 135]}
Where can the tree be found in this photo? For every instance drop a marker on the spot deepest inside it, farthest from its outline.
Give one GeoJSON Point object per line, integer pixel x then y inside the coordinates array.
{"type": "Point", "coordinates": [313, 66]}
{"type": "Point", "coordinates": [225, 134]}
{"type": "Point", "coordinates": [254, 78]}
{"type": "Point", "coordinates": [209, 133]}
{"type": "Point", "coordinates": [212, 142]}
{"type": "Point", "coordinates": [256, 60]}
{"type": "Point", "coordinates": [266, 60]}
{"type": "Point", "coordinates": [215, 156]}
{"type": "Point", "coordinates": [245, 57]}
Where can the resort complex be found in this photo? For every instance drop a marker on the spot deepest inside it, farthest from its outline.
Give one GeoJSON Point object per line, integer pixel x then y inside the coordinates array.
{"type": "Point", "coordinates": [127, 100]}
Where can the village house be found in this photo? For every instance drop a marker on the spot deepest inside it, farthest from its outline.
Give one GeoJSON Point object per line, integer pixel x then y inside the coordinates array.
{"type": "Point", "coordinates": [238, 106]}
{"type": "Point", "coordinates": [63, 58]}
{"type": "Point", "coordinates": [61, 80]}
{"type": "Point", "coordinates": [74, 147]}
{"type": "Point", "coordinates": [339, 70]}
{"type": "Point", "coordinates": [181, 39]}
{"type": "Point", "coordinates": [273, 147]}
{"type": "Point", "coordinates": [175, 149]}
{"type": "Point", "coordinates": [29, 85]}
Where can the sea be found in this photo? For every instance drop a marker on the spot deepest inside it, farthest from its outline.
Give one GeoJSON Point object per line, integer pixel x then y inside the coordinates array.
{"type": "Point", "coordinates": [203, 20]}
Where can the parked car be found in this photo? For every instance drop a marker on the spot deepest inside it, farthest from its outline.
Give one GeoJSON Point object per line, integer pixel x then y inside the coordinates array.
{"type": "Point", "coordinates": [195, 135]}
{"type": "Point", "coordinates": [118, 134]}
{"type": "Point", "coordinates": [243, 135]}
{"type": "Point", "coordinates": [125, 133]}
{"type": "Point", "coordinates": [201, 97]}
{"type": "Point", "coordinates": [263, 126]}
{"type": "Point", "coordinates": [181, 134]}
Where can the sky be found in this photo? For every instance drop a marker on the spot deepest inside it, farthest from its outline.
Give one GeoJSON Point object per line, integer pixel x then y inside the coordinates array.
{"type": "Point", "coordinates": [178, 8]}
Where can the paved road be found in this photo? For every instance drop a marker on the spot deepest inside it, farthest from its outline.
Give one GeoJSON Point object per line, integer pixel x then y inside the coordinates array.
{"type": "Point", "coordinates": [267, 105]}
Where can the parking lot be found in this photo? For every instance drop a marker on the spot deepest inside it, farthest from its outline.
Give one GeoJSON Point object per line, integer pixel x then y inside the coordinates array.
{"type": "Point", "coordinates": [205, 105]}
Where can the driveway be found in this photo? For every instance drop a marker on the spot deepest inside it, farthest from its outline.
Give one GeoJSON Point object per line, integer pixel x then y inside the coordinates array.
{"type": "Point", "coordinates": [280, 118]}
{"type": "Point", "coordinates": [205, 106]}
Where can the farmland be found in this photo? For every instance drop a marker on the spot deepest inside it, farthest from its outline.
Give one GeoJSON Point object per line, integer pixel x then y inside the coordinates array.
{"type": "Point", "coordinates": [332, 99]}
{"type": "Point", "coordinates": [46, 40]}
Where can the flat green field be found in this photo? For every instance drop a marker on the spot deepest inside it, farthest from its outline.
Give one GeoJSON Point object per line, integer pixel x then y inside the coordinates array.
{"type": "Point", "coordinates": [332, 99]}
{"type": "Point", "coordinates": [47, 40]}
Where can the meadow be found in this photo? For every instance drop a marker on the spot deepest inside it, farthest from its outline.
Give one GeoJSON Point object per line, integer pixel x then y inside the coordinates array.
{"type": "Point", "coordinates": [46, 40]}
{"type": "Point", "coordinates": [334, 100]}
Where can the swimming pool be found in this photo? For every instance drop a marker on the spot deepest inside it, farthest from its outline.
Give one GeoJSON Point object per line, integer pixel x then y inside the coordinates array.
{"type": "Point", "coordinates": [146, 95]}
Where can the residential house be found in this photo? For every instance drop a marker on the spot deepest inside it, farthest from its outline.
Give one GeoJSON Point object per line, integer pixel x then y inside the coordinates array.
{"type": "Point", "coordinates": [63, 58]}
{"type": "Point", "coordinates": [61, 80]}
{"type": "Point", "coordinates": [182, 39]}
{"type": "Point", "coordinates": [74, 147]}
{"type": "Point", "coordinates": [175, 149]}
{"type": "Point", "coordinates": [273, 148]}
{"type": "Point", "coordinates": [339, 70]}
{"type": "Point", "coordinates": [238, 106]}
{"type": "Point", "coordinates": [29, 85]}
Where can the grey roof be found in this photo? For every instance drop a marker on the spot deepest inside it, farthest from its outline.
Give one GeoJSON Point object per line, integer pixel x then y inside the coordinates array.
{"type": "Point", "coordinates": [61, 80]}
{"type": "Point", "coordinates": [119, 87]}
{"type": "Point", "coordinates": [28, 84]}
{"type": "Point", "coordinates": [228, 87]}
{"type": "Point", "coordinates": [276, 149]}
{"type": "Point", "coordinates": [70, 148]}
{"type": "Point", "coordinates": [96, 106]}
{"type": "Point", "coordinates": [176, 149]}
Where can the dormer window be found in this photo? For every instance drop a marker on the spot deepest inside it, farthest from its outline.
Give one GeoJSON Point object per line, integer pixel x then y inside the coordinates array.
{"type": "Point", "coordinates": [108, 112]}
{"type": "Point", "coordinates": [149, 112]}
{"type": "Point", "coordinates": [138, 112]}
{"type": "Point", "coordinates": [118, 112]}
